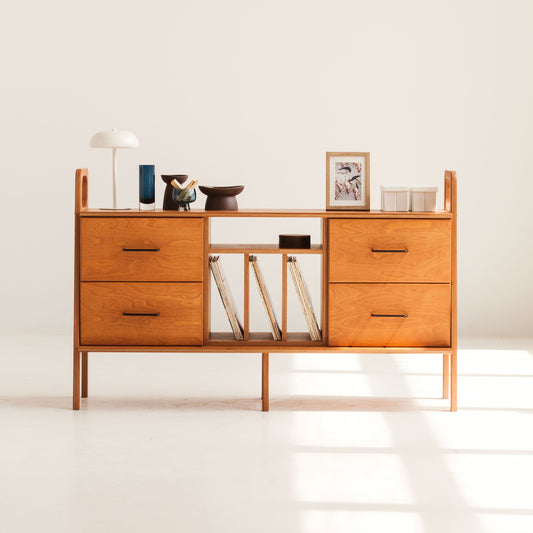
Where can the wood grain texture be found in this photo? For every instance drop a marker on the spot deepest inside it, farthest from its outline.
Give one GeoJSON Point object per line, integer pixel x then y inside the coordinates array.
{"type": "Point", "coordinates": [428, 258]}
{"type": "Point", "coordinates": [81, 195]}
{"type": "Point", "coordinates": [245, 348]}
{"type": "Point", "coordinates": [324, 277]}
{"type": "Point", "coordinates": [450, 180]}
{"type": "Point", "coordinates": [352, 304]}
{"type": "Point", "coordinates": [246, 278]}
{"type": "Point", "coordinates": [262, 249]}
{"type": "Point", "coordinates": [180, 255]}
{"type": "Point", "coordinates": [179, 306]}
{"type": "Point", "coordinates": [80, 204]}
{"type": "Point", "coordinates": [206, 279]}
{"type": "Point", "coordinates": [84, 374]}
{"type": "Point", "coordinates": [76, 380]}
{"type": "Point", "coordinates": [263, 213]}
{"type": "Point", "coordinates": [264, 382]}
{"type": "Point", "coordinates": [284, 297]}
{"type": "Point", "coordinates": [445, 376]}
{"type": "Point", "coordinates": [261, 338]}
{"type": "Point", "coordinates": [453, 381]}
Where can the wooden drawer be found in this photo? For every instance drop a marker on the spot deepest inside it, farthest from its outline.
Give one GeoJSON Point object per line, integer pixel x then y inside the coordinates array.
{"type": "Point", "coordinates": [361, 250]}
{"type": "Point", "coordinates": [351, 306]}
{"type": "Point", "coordinates": [141, 249]}
{"type": "Point", "coordinates": [178, 305]}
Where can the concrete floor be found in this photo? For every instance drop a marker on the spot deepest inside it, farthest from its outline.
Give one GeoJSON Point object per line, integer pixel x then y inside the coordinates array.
{"type": "Point", "coordinates": [353, 443]}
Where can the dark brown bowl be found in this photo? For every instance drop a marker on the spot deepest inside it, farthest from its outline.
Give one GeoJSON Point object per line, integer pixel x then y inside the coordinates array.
{"type": "Point", "coordinates": [221, 198]}
{"type": "Point", "coordinates": [230, 190]}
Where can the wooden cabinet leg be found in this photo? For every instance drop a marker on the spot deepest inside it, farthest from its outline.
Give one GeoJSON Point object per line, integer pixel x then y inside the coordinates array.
{"type": "Point", "coordinates": [76, 381]}
{"type": "Point", "coordinates": [264, 382]}
{"type": "Point", "coordinates": [453, 381]}
{"type": "Point", "coordinates": [84, 374]}
{"type": "Point", "coordinates": [446, 376]}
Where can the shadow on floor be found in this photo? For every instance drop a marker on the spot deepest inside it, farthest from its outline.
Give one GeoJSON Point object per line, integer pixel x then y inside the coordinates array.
{"type": "Point", "coordinates": [289, 403]}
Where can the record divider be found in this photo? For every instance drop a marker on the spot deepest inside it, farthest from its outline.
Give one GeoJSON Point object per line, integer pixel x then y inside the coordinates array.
{"type": "Point", "coordinates": [246, 319]}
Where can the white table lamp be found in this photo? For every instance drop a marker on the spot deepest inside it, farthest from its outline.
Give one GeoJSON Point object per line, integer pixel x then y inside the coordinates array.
{"type": "Point", "coordinates": [114, 139]}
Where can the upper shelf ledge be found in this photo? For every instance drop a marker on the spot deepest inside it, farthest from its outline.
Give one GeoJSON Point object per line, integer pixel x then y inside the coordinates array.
{"type": "Point", "coordinates": [287, 213]}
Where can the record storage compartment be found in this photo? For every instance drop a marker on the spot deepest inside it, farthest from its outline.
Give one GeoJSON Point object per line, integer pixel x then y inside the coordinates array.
{"type": "Point", "coordinates": [236, 260]}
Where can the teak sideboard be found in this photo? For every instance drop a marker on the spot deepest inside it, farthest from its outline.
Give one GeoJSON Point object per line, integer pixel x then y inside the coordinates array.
{"type": "Point", "coordinates": [142, 283]}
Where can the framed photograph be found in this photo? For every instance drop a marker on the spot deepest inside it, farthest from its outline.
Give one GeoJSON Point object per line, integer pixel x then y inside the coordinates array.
{"type": "Point", "coordinates": [348, 180]}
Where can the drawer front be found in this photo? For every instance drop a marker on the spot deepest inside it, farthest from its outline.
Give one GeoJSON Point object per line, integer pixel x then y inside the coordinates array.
{"type": "Point", "coordinates": [398, 250]}
{"type": "Point", "coordinates": [156, 314]}
{"type": "Point", "coordinates": [141, 249]}
{"type": "Point", "coordinates": [352, 306]}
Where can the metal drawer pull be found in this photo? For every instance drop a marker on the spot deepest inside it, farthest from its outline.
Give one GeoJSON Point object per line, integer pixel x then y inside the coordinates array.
{"type": "Point", "coordinates": [140, 314]}
{"type": "Point", "coordinates": [390, 251]}
{"type": "Point", "coordinates": [140, 249]}
{"type": "Point", "coordinates": [392, 316]}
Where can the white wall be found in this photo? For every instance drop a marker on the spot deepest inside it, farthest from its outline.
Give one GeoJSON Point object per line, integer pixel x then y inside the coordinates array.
{"type": "Point", "coordinates": [241, 91]}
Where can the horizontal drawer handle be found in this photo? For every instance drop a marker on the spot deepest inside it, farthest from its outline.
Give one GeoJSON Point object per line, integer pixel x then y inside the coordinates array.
{"type": "Point", "coordinates": [391, 316]}
{"type": "Point", "coordinates": [390, 251]}
{"type": "Point", "coordinates": [140, 314]}
{"type": "Point", "coordinates": [140, 249]}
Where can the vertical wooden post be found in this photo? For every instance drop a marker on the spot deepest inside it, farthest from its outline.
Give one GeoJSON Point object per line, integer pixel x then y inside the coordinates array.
{"type": "Point", "coordinates": [453, 382]}
{"type": "Point", "coordinates": [76, 381]}
{"type": "Point", "coordinates": [284, 297]}
{"type": "Point", "coordinates": [264, 382]}
{"type": "Point", "coordinates": [446, 376]}
{"type": "Point", "coordinates": [450, 204]}
{"type": "Point", "coordinates": [81, 196]}
{"type": "Point", "coordinates": [207, 279]}
{"type": "Point", "coordinates": [84, 374]}
{"type": "Point", "coordinates": [246, 320]}
{"type": "Point", "coordinates": [325, 278]}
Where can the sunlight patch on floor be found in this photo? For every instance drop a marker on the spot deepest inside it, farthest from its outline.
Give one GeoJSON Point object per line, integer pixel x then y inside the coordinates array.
{"type": "Point", "coordinates": [321, 521]}
{"type": "Point", "coordinates": [345, 477]}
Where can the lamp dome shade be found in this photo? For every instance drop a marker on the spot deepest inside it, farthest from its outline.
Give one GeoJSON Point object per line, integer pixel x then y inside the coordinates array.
{"type": "Point", "coordinates": [114, 139]}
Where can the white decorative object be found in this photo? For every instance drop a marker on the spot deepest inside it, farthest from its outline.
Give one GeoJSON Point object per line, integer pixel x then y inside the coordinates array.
{"type": "Point", "coordinates": [114, 139]}
{"type": "Point", "coordinates": [394, 198]}
{"type": "Point", "coordinates": [423, 198]}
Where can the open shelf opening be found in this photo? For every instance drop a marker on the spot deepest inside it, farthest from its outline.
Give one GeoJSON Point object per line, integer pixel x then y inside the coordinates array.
{"type": "Point", "coordinates": [261, 233]}
{"type": "Point", "coordinates": [261, 280]}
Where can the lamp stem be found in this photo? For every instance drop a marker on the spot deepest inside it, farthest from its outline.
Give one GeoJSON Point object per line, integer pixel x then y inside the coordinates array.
{"type": "Point", "coordinates": [115, 173]}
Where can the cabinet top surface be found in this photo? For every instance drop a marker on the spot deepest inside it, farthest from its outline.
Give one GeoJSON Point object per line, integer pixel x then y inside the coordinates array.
{"type": "Point", "coordinates": [289, 213]}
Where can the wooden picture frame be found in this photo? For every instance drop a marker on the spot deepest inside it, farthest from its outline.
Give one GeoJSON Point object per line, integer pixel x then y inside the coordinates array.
{"type": "Point", "coordinates": [348, 181]}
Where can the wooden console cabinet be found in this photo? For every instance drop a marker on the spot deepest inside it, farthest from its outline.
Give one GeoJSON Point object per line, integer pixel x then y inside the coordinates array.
{"type": "Point", "coordinates": [142, 283]}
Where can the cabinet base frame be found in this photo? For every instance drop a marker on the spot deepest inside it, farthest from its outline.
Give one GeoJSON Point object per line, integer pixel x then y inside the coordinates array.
{"type": "Point", "coordinates": [81, 365]}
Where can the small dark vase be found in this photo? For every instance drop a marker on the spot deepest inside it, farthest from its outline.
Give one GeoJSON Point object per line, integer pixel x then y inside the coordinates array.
{"type": "Point", "coordinates": [169, 200]}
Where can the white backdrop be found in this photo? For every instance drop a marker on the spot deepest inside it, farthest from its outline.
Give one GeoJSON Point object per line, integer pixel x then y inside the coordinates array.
{"type": "Point", "coordinates": [255, 93]}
